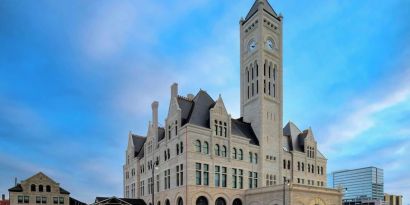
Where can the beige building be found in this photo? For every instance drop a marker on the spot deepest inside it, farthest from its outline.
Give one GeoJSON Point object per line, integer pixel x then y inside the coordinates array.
{"type": "Point", "coordinates": [38, 189]}
{"type": "Point", "coordinates": [204, 156]}
{"type": "Point", "coordinates": [393, 199]}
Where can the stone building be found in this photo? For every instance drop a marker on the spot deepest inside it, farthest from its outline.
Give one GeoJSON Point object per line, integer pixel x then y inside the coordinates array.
{"type": "Point", "coordinates": [204, 156]}
{"type": "Point", "coordinates": [38, 189]}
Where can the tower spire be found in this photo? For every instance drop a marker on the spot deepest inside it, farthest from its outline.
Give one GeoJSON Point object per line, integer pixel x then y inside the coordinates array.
{"type": "Point", "coordinates": [265, 7]}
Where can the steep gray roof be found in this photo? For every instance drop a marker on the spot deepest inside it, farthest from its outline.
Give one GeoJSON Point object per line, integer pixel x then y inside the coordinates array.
{"type": "Point", "coordinates": [244, 129]}
{"type": "Point", "coordinates": [266, 7]}
{"type": "Point", "coordinates": [139, 142]}
{"type": "Point", "coordinates": [196, 111]}
{"type": "Point", "coordinates": [17, 188]}
{"type": "Point", "coordinates": [161, 133]}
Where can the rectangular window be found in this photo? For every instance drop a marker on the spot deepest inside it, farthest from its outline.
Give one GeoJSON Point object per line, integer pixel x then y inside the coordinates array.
{"type": "Point", "coordinates": [234, 178]}
{"type": "Point", "coordinates": [198, 173]}
{"type": "Point", "coordinates": [206, 174]}
{"type": "Point", "coordinates": [177, 175]}
{"type": "Point", "coordinates": [250, 180]}
{"type": "Point", "coordinates": [255, 179]}
{"type": "Point", "coordinates": [217, 176]}
{"type": "Point", "coordinates": [61, 200]}
{"type": "Point", "coordinates": [38, 199]}
{"type": "Point", "coordinates": [181, 174]}
{"type": "Point", "coordinates": [169, 178]}
{"type": "Point", "coordinates": [26, 199]}
{"type": "Point", "coordinates": [240, 181]}
{"type": "Point", "coordinates": [157, 182]}
{"type": "Point", "coordinates": [44, 200]}
{"type": "Point", "coordinates": [55, 200]}
{"type": "Point", "coordinates": [224, 176]}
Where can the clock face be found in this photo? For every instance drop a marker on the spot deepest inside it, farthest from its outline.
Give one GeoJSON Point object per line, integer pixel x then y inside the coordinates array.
{"type": "Point", "coordinates": [252, 45]}
{"type": "Point", "coordinates": [269, 44]}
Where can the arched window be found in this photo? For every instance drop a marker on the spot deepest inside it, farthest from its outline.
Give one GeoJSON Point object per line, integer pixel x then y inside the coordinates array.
{"type": "Point", "coordinates": [158, 203]}
{"type": "Point", "coordinates": [206, 147]}
{"type": "Point", "coordinates": [237, 202]}
{"type": "Point", "coordinates": [220, 201]}
{"type": "Point", "coordinates": [202, 201]}
{"type": "Point", "coordinates": [234, 153]}
{"type": "Point", "coordinates": [181, 147]}
{"type": "Point", "coordinates": [33, 187]}
{"type": "Point", "coordinates": [177, 149]}
{"type": "Point", "coordinates": [250, 157]}
{"type": "Point", "coordinates": [256, 158]}
{"type": "Point", "coordinates": [167, 202]}
{"type": "Point", "coordinates": [40, 188]}
{"type": "Point", "coordinates": [217, 151]}
{"type": "Point", "coordinates": [303, 167]}
{"type": "Point", "coordinates": [48, 188]}
{"type": "Point", "coordinates": [240, 154]}
{"type": "Point", "coordinates": [223, 152]}
{"type": "Point", "coordinates": [150, 203]}
{"type": "Point", "coordinates": [198, 146]}
{"type": "Point", "coordinates": [180, 201]}
{"type": "Point", "coordinates": [168, 154]}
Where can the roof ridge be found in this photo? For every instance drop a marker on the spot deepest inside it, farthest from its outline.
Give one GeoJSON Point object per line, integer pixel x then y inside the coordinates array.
{"type": "Point", "coordinates": [184, 98]}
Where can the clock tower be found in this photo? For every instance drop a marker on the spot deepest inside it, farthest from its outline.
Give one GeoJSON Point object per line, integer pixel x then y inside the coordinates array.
{"type": "Point", "coordinates": [261, 83]}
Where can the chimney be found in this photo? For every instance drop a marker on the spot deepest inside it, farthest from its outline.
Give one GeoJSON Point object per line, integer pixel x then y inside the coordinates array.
{"type": "Point", "coordinates": [154, 106]}
{"type": "Point", "coordinates": [3, 197]}
{"type": "Point", "coordinates": [15, 181]}
{"type": "Point", "coordinates": [174, 90]}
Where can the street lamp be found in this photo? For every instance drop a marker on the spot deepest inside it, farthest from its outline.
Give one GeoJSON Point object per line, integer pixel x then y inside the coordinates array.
{"type": "Point", "coordinates": [285, 182]}
{"type": "Point", "coordinates": [153, 168]}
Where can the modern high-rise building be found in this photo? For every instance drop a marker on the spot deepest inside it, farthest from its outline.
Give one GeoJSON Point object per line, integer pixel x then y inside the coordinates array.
{"type": "Point", "coordinates": [204, 156]}
{"type": "Point", "coordinates": [359, 184]}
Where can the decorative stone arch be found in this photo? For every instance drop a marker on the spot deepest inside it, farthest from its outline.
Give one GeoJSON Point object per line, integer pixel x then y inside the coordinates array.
{"type": "Point", "coordinates": [237, 201]}
{"type": "Point", "coordinates": [167, 202]}
{"type": "Point", "coordinates": [199, 194]}
{"type": "Point", "coordinates": [317, 201]}
{"type": "Point", "coordinates": [222, 195]}
{"type": "Point", "coordinates": [177, 196]}
{"type": "Point", "coordinates": [237, 196]}
{"type": "Point", "coordinates": [276, 202]}
{"type": "Point", "coordinates": [221, 201]}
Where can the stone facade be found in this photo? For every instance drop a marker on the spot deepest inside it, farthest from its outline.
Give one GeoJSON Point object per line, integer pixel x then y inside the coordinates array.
{"type": "Point", "coordinates": [38, 189]}
{"type": "Point", "coordinates": [204, 156]}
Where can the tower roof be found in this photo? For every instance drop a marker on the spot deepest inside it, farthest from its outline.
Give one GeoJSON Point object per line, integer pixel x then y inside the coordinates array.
{"type": "Point", "coordinates": [266, 7]}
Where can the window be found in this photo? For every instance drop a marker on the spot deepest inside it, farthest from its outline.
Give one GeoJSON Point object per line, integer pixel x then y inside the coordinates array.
{"type": "Point", "coordinates": [169, 132]}
{"type": "Point", "coordinates": [180, 175]}
{"type": "Point", "coordinates": [44, 200]}
{"type": "Point", "coordinates": [206, 174]}
{"type": "Point", "coordinates": [176, 128]}
{"type": "Point", "coordinates": [250, 157]}
{"type": "Point", "coordinates": [234, 153]}
{"type": "Point", "coordinates": [223, 152]}
{"type": "Point", "coordinates": [181, 147]}
{"type": "Point", "coordinates": [150, 185]}
{"type": "Point", "coordinates": [198, 176]}
{"type": "Point", "coordinates": [19, 199]}
{"type": "Point", "coordinates": [40, 188]}
{"type": "Point", "coordinates": [167, 179]}
{"type": "Point", "coordinates": [216, 127]}
{"type": "Point", "coordinates": [224, 176]}
{"type": "Point", "coordinates": [289, 164]}
{"type": "Point", "coordinates": [168, 154]}
{"type": "Point", "coordinates": [61, 200]}
{"type": "Point", "coordinates": [240, 178]}
{"type": "Point", "coordinates": [303, 167]}
{"type": "Point", "coordinates": [217, 151]}
{"type": "Point", "coordinates": [217, 176]}
{"type": "Point", "coordinates": [240, 154]}
{"type": "Point", "coordinates": [256, 158]}
{"type": "Point", "coordinates": [321, 170]}
{"type": "Point", "coordinates": [253, 180]}
{"type": "Point", "coordinates": [206, 148]}
{"type": "Point", "coordinates": [177, 145]}
{"type": "Point", "coordinates": [298, 166]}
{"type": "Point", "coordinates": [234, 177]}
{"type": "Point", "coordinates": [55, 200]}
{"type": "Point", "coordinates": [26, 199]}
{"type": "Point", "coordinates": [157, 182]}
{"type": "Point", "coordinates": [220, 128]}
{"type": "Point", "coordinates": [38, 199]}
{"type": "Point", "coordinates": [198, 146]}
{"type": "Point", "coordinates": [33, 187]}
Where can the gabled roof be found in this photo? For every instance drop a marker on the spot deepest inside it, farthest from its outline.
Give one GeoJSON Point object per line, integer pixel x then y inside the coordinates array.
{"type": "Point", "coordinates": [76, 202]}
{"type": "Point", "coordinates": [196, 111]}
{"type": "Point", "coordinates": [161, 133]}
{"type": "Point", "coordinates": [243, 129]}
{"type": "Point", "coordinates": [16, 188]}
{"type": "Point", "coordinates": [63, 191]}
{"type": "Point", "coordinates": [115, 200]}
{"type": "Point", "coordinates": [266, 7]}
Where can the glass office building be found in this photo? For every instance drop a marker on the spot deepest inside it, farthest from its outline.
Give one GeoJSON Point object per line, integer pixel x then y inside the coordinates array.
{"type": "Point", "coordinates": [360, 184]}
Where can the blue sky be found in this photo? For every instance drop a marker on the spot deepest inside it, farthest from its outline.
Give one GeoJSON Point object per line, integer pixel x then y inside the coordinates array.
{"type": "Point", "coordinates": [77, 76]}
